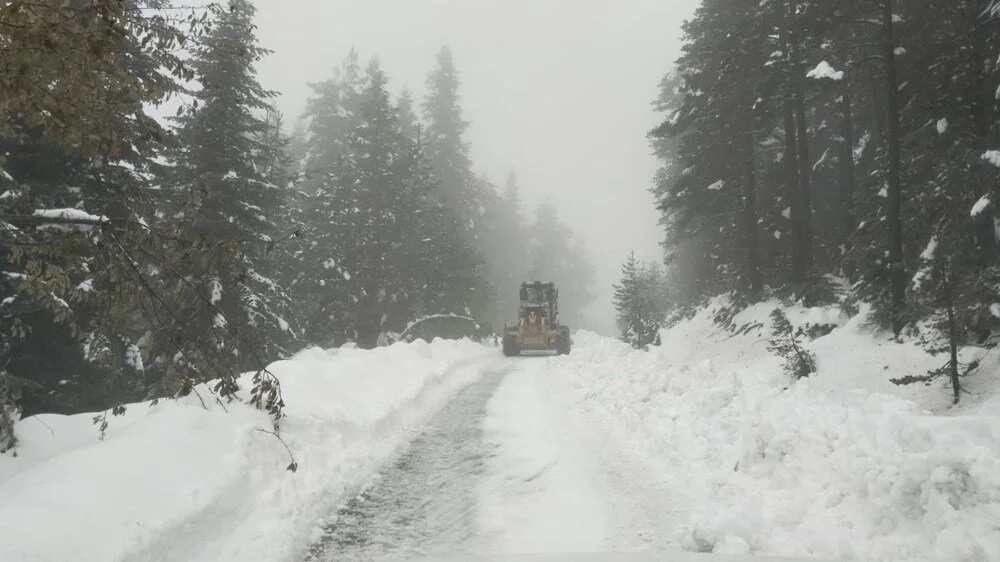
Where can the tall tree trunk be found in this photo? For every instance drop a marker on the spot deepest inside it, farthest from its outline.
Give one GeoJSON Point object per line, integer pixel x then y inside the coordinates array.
{"type": "Point", "coordinates": [845, 167]}
{"type": "Point", "coordinates": [897, 275]}
{"type": "Point", "coordinates": [983, 96]}
{"type": "Point", "coordinates": [798, 93]}
{"type": "Point", "coordinates": [750, 204]}
{"type": "Point", "coordinates": [983, 112]}
{"type": "Point", "coordinates": [792, 192]}
{"type": "Point", "coordinates": [877, 111]}
{"type": "Point", "coordinates": [953, 348]}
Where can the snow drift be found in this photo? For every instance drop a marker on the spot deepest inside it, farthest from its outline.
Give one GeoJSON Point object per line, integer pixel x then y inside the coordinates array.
{"type": "Point", "coordinates": [188, 480]}
{"type": "Point", "coordinates": [843, 464]}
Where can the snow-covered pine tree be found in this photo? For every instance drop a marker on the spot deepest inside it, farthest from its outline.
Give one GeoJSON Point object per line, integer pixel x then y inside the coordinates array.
{"type": "Point", "coordinates": [449, 275]}
{"type": "Point", "coordinates": [70, 158]}
{"type": "Point", "coordinates": [954, 287]}
{"type": "Point", "coordinates": [628, 303]}
{"type": "Point", "coordinates": [375, 211]}
{"type": "Point", "coordinates": [329, 116]}
{"type": "Point", "coordinates": [638, 306]}
{"type": "Point", "coordinates": [508, 256]}
{"type": "Point", "coordinates": [938, 286]}
{"type": "Point", "coordinates": [224, 173]}
{"type": "Point", "coordinates": [390, 251]}
{"type": "Point", "coordinates": [320, 292]}
{"type": "Point", "coordinates": [446, 148]}
{"type": "Point", "coordinates": [409, 123]}
{"type": "Point", "coordinates": [554, 254]}
{"type": "Point", "coordinates": [451, 165]}
{"type": "Point", "coordinates": [106, 276]}
{"type": "Point", "coordinates": [875, 120]}
{"type": "Point", "coordinates": [711, 200]}
{"type": "Point", "coordinates": [787, 342]}
{"type": "Point", "coordinates": [38, 174]}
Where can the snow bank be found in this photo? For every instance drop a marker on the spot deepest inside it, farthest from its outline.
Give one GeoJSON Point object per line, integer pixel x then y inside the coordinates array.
{"type": "Point", "coordinates": [842, 465]}
{"type": "Point", "coordinates": [183, 481]}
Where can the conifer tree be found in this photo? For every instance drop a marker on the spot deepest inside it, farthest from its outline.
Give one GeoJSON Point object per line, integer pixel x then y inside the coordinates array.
{"type": "Point", "coordinates": [447, 149]}
{"type": "Point", "coordinates": [639, 305]}
{"type": "Point", "coordinates": [227, 163]}
{"type": "Point", "coordinates": [555, 255]}
{"type": "Point", "coordinates": [387, 249]}
{"type": "Point", "coordinates": [872, 133]}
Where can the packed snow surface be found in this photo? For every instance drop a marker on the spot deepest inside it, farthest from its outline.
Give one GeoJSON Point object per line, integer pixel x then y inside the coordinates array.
{"type": "Point", "coordinates": [843, 464]}
{"type": "Point", "coordinates": [187, 481]}
{"type": "Point", "coordinates": [703, 444]}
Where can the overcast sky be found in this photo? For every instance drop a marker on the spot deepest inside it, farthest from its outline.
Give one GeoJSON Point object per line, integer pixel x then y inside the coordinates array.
{"type": "Point", "coordinates": [559, 90]}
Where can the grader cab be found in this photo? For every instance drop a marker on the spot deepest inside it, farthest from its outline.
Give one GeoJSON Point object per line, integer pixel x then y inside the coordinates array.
{"type": "Point", "coordinates": [537, 327]}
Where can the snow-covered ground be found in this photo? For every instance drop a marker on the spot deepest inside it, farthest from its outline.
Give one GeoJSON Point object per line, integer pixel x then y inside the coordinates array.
{"type": "Point", "coordinates": [183, 481]}
{"type": "Point", "coordinates": [843, 465]}
{"type": "Point", "coordinates": [702, 445]}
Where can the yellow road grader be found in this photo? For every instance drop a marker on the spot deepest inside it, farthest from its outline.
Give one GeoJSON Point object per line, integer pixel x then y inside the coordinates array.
{"type": "Point", "coordinates": [537, 327]}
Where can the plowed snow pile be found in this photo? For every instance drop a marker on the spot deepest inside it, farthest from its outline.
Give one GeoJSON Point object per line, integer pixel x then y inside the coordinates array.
{"type": "Point", "coordinates": [187, 481]}
{"type": "Point", "coordinates": [843, 464]}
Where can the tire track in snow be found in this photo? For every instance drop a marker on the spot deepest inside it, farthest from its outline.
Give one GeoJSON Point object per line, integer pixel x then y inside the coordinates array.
{"type": "Point", "coordinates": [646, 509]}
{"type": "Point", "coordinates": [424, 501]}
{"type": "Point", "coordinates": [560, 481]}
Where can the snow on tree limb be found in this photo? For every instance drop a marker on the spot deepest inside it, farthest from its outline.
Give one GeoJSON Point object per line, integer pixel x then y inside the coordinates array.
{"type": "Point", "coordinates": [824, 70]}
{"type": "Point", "coordinates": [980, 205]}
{"type": "Point", "coordinates": [993, 157]}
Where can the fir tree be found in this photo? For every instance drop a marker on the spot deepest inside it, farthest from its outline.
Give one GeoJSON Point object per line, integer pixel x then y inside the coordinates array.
{"type": "Point", "coordinates": [787, 342]}
{"type": "Point", "coordinates": [230, 163]}
{"type": "Point", "coordinates": [459, 189]}
{"type": "Point", "coordinates": [409, 125]}
{"type": "Point", "coordinates": [388, 250]}
{"type": "Point", "coordinates": [108, 277]}
{"type": "Point", "coordinates": [870, 134]}
{"type": "Point", "coordinates": [447, 150]}
{"type": "Point", "coordinates": [555, 255]}
{"type": "Point", "coordinates": [508, 255]}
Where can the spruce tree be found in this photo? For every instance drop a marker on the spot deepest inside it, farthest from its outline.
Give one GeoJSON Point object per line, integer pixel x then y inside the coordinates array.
{"type": "Point", "coordinates": [225, 169]}
{"type": "Point", "coordinates": [458, 187]}
{"type": "Point", "coordinates": [388, 251]}
{"type": "Point", "coordinates": [872, 133]}
{"type": "Point", "coordinates": [508, 259]}
{"type": "Point", "coordinates": [638, 302]}
{"type": "Point", "coordinates": [555, 255]}
{"type": "Point", "coordinates": [108, 276]}
{"type": "Point", "coordinates": [447, 149]}
{"type": "Point", "coordinates": [409, 124]}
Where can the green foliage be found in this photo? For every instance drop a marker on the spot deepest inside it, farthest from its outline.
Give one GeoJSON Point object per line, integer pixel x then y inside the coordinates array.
{"type": "Point", "coordinates": [68, 70]}
{"type": "Point", "coordinates": [786, 342]}
{"type": "Point", "coordinates": [555, 254]}
{"type": "Point", "coordinates": [385, 247]}
{"type": "Point", "coordinates": [100, 306]}
{"type": "Point", "coordinates": [640, 303]}
{"type": "Point", "coordinates": [225, 183]}
{"type": "Point", "coordinates": [845, 174]}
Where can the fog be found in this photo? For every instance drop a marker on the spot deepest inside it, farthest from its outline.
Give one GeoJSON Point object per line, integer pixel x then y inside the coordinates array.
{"type": "Point", "coordinates": [559, 90]}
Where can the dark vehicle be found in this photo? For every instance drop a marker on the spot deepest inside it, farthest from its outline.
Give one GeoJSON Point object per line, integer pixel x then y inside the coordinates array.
{"type": "Point", "coordinates": [537, 327]}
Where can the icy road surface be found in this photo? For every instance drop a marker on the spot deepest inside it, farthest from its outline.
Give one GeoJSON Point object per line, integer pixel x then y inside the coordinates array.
{"type": "Point", "coordinates": [508, 467]}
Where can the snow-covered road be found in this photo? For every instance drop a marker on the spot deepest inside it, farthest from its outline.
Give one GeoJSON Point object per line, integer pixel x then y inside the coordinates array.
{"type": "Point", "coordinates": [558, 481]}
{"type": "Point", "coordinates": [508, 467]}
{"type": "Point", "coordinates": [424, 500]}
{"type": "Point", "coordinates": [701, 445]}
